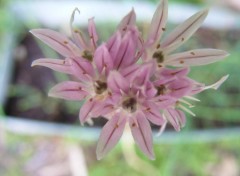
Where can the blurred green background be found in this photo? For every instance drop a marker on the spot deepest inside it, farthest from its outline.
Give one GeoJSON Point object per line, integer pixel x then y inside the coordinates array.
{"type": "Point", "coordinates": [37, 154]}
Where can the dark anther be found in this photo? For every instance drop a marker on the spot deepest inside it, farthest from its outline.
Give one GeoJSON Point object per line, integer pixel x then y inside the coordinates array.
{"type": "Point", "coordinates": [130, 105]}
{"type": "Point", "coordinates": [158, 55]}
{"type": "Point", "coordinates": [87, 55]}
{"type": "Point", "coordinates": [100, 87]}
{"type": "Point", "coordinates": [161, 90]}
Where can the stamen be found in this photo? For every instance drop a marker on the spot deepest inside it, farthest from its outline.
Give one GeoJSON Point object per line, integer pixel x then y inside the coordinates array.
{"type": "Point", "coordinates": [163, 127]}
{"type": "Point", "coordinates": [161, 90]}
{"type": "Point", "coordinates": [186, 102]}
{"type": "Point", "coordinates": [148, 109]}
{"type": "Point", "coordinates": [130, 104]}
{"type": "Point", "coordinates": [100, 87]}
{"type": "Point", "coordinates": [87, 55]}
{"type": "Point", "coordinates": [76, 31]}
{"type": "Point", "coordinates": [158, 55]}
{"type": "Point", "coordinates": [181, 61]}
{"type": "Point", "coordinates": [191, 98]}
{"type": "Point", "coordinates": [186, 110]}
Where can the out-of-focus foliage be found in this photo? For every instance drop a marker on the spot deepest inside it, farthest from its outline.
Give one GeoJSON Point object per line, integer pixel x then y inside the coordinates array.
{"type": "Point", "coordinates": [198, 159]}
{"type": "Point", "coordinates": [5, 21]}
{"type": "Point", "coordinates": [23, 154]}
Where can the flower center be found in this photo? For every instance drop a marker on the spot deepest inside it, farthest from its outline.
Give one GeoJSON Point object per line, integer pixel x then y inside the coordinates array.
{"type": "Point", "coordinates": [161, 90]}
{"type": "Point", "coordinates": [158, 55]}
{"type": "Point", "coordinates": [130, 104]}
{"type": "Point", "coordinates": [87, 55]}
{"type": "Point", "coordinates": [100, 87]}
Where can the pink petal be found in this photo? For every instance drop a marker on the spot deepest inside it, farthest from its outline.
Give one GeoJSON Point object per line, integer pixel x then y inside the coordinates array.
{"type": "Point", "coordinates": [82, 68]}
{"type": "Point", "coordinates": [126, 52]}
{"type": "Point", "coordinates": [168, 73]}
{"type": "Point", "coordinates": [103, 59]}
{"type": "Point", "coordinates": [130, 71]}
{"type": "Point", "coordinates": [196, 57]}
{"type": "Point", "coordinates": [199, 87]}
{"type": "Point", "coordinates": [77, 34]}
{"type": "Point", "coordinates": [185, 30]}
{"type": "Point", "coordinates": [59, 65]}
{"type": "Point", "coordinates": [142, 134]}
{"type": "Point", "coordinates": [164, 81]}
{"type": "Point", "coordinates": [162, 128]}
{"type": "Point", "coordinates": [150, 90]}
{"type": "Point", "coordinates": [88, 108]}
{"type": "Point", "coordinates": [172, 116]}
{"type": "Point", "coordinates": [68, 90]}
{"type": "Point", "coordinates": [92, 32]}
{"type": "Point", "coordinates": [113, 44]}
{"type": "Point", "coordinates": [164, 101]}
{"type": "Point", "coordinates": [158, 23]}
{"type": "Point", "coordinates": [104, 110]}
{"type": "Point", "coordinates": [217, 84]}
{"type": "Point", "coordinates": [196, 87]}
{"type": "Point", "coordinates": [117, 83]}
{"type": "Point", "coordinates": [180, 87]}
{"type": "Point", "coordinates": [143, 75]}
{"type": "Point", "coordinates": [128, 20]}
{"type": "Point", "coordinates": [57, 41]}
{"type": "Point", "coordinates": [181, 118]}
{"type": "Point", "coordinates": [110, 135]}
{"type": "Point", "coordinates": [152, 112]}
{"type": "Point", "coordinates": [135, 34]}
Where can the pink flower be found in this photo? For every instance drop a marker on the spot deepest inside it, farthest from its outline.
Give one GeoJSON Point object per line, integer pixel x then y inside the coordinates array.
{"type": "Point", "coordinates": [90, 64]}
{"type": "Point", "coordinates": [161, 52]}
{"type": "Point", "coordinates": [129, 81]}
{"type": "Point", "coordinates": [133, 107]}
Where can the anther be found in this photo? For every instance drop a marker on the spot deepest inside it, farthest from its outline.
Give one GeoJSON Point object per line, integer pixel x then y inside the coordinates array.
{"type": "Point", "coordinates": [158, 55]}
{"type": "Point", "coordinates": [148, 109]}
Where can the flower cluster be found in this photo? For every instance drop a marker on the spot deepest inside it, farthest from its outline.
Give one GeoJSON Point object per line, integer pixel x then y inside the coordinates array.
{"type": "Point", "coordinates": [129, 80]}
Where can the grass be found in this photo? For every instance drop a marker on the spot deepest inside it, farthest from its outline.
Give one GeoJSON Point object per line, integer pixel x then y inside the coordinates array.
{"type": "Point", "coordinates": [172, 159]}
{"type": "Point", "coordinates": [178, 158]}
